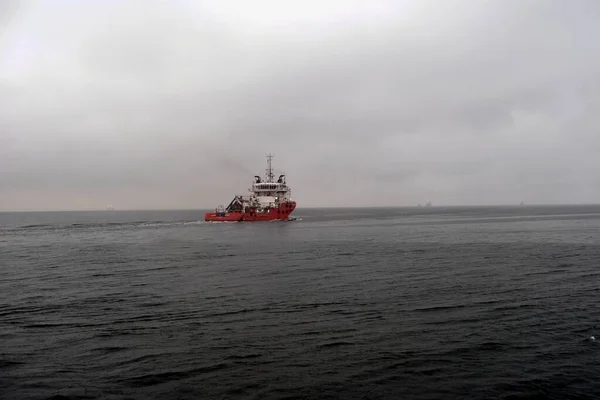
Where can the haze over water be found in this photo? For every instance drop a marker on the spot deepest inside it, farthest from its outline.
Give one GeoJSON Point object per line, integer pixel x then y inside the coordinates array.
{"type": "Point", "coordinates": [415, 303]}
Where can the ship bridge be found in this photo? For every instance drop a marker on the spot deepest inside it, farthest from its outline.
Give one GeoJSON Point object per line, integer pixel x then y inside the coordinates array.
{"type": "Point", "coordinates": [269, 187]}
{"type": "Point", "coordinates": [270, 191]}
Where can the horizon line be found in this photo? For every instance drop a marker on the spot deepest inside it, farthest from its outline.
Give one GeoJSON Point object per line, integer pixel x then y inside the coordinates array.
{"type": "Point", "coordinates": [315, 207]}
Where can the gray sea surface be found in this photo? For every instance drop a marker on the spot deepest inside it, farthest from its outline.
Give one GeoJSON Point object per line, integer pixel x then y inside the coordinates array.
{"type": "Point", "coordinates": [381, 303]}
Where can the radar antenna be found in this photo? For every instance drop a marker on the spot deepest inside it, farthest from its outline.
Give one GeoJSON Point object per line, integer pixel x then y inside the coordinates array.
{"type": "Point", "coordinates": [270, 174]}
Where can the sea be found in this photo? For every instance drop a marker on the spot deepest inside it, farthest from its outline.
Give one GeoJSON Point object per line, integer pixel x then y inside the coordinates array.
{"type": "Point", "coordinates": [364, 303]}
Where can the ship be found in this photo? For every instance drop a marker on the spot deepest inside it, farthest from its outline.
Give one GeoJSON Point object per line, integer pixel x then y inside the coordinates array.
{"type": "Point", "coordinates": [269, 200]}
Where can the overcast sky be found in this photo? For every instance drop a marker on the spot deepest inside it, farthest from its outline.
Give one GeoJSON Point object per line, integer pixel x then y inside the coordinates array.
{"type": "Point", "coordinates": [174, 104]}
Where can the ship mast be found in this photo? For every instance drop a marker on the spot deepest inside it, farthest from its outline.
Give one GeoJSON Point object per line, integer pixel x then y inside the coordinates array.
{"type": "Point", "coordinates": [270, 175]}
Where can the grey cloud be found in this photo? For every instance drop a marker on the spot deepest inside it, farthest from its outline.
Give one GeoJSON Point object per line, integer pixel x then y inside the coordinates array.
{"type": "Point", "coordinates": [467, 102]}
{"type": "Point", "coordinates": [9, 11]}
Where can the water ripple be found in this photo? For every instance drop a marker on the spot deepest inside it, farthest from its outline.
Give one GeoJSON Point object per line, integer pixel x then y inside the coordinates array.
{"type": "Point", "coordinates": [421, 304]}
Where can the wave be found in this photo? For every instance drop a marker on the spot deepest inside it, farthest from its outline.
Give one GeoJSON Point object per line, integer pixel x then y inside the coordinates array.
{"type": "Point", "coordinates": [102, 225]}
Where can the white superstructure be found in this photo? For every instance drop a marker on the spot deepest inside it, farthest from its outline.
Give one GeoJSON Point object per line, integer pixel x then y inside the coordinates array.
{"type": "Point", "coordinates": [268, 192]}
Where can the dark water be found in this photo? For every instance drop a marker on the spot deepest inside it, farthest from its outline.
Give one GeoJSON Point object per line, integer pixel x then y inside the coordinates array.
{"type": "Point", "coordinates": [342, 304]}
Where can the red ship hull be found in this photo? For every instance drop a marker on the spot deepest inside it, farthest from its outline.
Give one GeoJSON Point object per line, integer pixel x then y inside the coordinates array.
{"type": "Point", "coordinates": [281, 213]}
